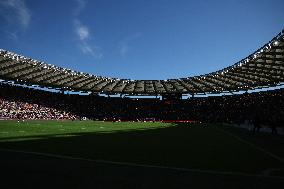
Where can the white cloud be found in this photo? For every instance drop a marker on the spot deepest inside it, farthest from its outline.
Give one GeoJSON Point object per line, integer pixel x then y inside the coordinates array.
{"type": "Point", "coordinates": [91, 50]}
{"type": "Point", "coordinates": [124, 45]}
{"type": "Point", "coordinates": [83, 32]}
{"type": "Point", "coordinates": [12, 35]}
{"type": "Point", "coordinates": [81, 4]}
{"type": "Point", "coordinates": [84, 36]}
{"type": "Point", "coordinates": [20, 11]}
{"type": "Point", "coordinates": [123, 49]}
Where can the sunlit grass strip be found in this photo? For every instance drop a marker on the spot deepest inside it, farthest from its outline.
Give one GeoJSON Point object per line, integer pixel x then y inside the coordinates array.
{"type": "Point", "coordinates": [31, 130]}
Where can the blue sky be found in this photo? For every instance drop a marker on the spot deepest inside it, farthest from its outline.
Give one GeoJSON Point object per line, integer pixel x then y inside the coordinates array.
{"type": "Point", "coordinates": [139, 39]}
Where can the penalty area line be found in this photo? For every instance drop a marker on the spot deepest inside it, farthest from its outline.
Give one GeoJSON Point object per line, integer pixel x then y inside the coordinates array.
{"type": "Point", "coordinates": [252, 145]}
{"type": "Point", "coordinates": [129, 164]}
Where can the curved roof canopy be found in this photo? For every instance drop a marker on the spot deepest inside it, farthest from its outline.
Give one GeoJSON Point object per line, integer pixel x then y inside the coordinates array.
{"type": "Point", "coordinates": [263, 68]}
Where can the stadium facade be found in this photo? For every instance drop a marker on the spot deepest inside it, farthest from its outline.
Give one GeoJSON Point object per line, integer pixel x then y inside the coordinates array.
{"type": "Point", "coordinates": [263, 68]}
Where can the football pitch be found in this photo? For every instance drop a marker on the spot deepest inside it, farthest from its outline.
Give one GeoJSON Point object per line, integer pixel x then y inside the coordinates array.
{"type": "Point", "coordinates": [82, 154]}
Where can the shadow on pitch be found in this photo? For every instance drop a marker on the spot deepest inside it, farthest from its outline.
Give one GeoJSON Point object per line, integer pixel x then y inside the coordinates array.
{"type": "Point", "coordinates": [180, 145]}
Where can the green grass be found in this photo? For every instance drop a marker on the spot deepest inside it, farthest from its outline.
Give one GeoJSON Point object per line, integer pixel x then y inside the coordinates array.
{"type": "Point", "coordinates": [192, 146]}
{"type": "Point", "coordinates": [27, 130]}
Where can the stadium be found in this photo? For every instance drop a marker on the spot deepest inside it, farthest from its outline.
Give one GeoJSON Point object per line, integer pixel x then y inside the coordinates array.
{"type": "Point", "coordinates": [61, 127]}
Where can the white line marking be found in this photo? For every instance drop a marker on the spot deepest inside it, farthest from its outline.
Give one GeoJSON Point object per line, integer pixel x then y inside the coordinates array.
{"type": "Point", "coordinates": [253, 145]}
{"type": "Point", "coordinates": [140, 165]}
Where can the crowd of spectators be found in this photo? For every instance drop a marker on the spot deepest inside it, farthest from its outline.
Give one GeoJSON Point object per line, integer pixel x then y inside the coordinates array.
{"type": "Point", "coordinates": [265, 107]}
{"type": "Point", "coordinates": [23, 103]}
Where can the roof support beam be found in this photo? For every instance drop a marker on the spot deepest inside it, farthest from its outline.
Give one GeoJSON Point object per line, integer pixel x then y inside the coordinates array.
{"type": "Point", "coordinates": [118, 88]}
{"type": "Point", "coordinates": [41, 78]}
{"type": "Point", "coordinates": [229, 81]}
{"type": "Point", "coordinates": [165, 87]}
{"type": "Point", "coordinates": [129, 87]}
{"type": "Point", "coordinates": [221, 85]}
{"type": "Point", "coordinates": [251, 81]}
{"type": "Point", "coordinates": [82, 80]}
{"type": "Point", "coordinates": [260, 70]}
{"type": "Point", "coordinates": [189, 90]}
{"type": "Point", "coordinates": [273, 53]}
{"type": "Point", "coordinates": [155, 88]}
{"type": "Point", "coordinates": [68, 80]}
{"type": "Point", "coordinates": [206, 84]}
{"type": "Point", "coordinates": [6, 64]}
{"type": "Point", "coordinates": [19, 69]}
{"type": "Point", "coordinates": [159, 87]}
{"type": "Point", "coordinates": [34, 73]}
{"type": "Point", "coordinates": [96, 87]}
{"type": "Point", "coordinates": [135, 86]}
{"type": "Point", "coordinates": [91, 84]}
{"type": "Point", "coordinates": [193, 83]}
{"type": "Point", "coordinates": [260, 75]}
{"type": "Point", "coordinates": [84, 84]}
{"type": "Point", "coordinates": [145, 91]}
{"type": "Point", "coordinates": [179, 87]}
{"type": "Point", "coordinates": [270, 67]}
{"type": "Point", "coordinates": [274, 59]}
{"type": "Point", "coordinates": [108, 87]}
{"type": "Point", "coordinates": [244, 82]}
{"type": "Point", "coordinates": [54, 80]}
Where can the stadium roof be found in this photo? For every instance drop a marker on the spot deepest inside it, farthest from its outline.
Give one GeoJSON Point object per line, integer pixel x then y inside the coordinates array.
{"type": "Point", "coordinates": [263, 68]}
